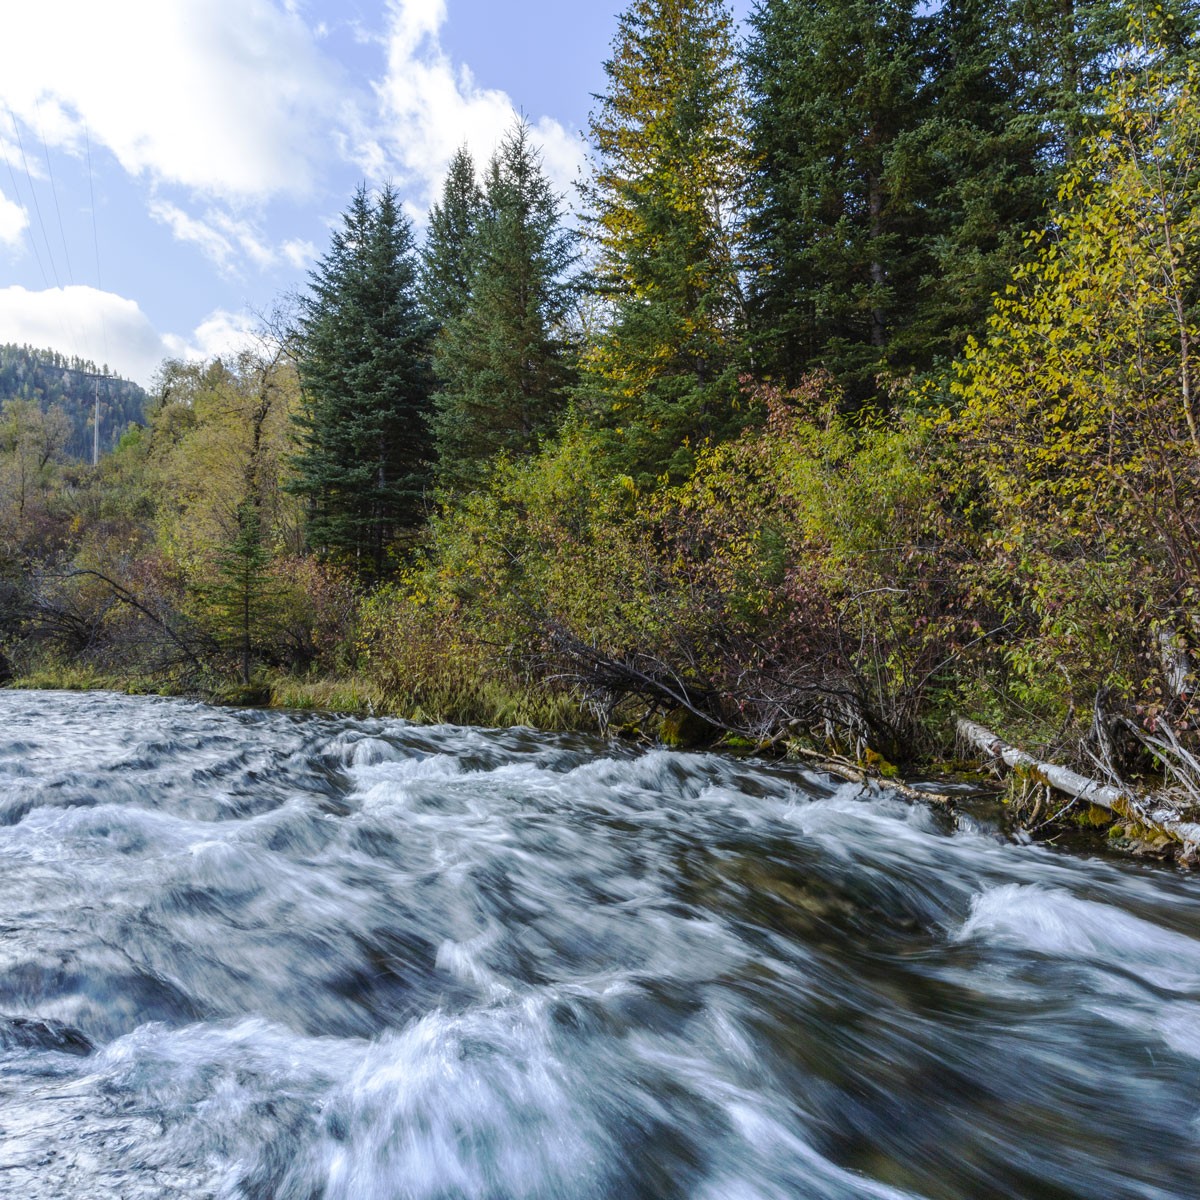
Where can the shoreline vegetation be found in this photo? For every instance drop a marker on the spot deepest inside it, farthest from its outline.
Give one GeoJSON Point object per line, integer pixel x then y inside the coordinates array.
{"type": "Point", "coordinates": [855, 418]}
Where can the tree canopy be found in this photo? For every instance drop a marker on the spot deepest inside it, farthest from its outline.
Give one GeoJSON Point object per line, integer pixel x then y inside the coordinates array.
{"type": "Point", "coordinates": [501, 357]}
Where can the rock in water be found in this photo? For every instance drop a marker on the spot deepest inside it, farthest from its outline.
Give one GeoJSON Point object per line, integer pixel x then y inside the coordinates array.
{"type": "Point", "coordinates": [32, 1033]}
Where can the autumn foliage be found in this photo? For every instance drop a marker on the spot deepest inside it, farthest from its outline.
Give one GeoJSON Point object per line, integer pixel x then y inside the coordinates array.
{"type": "Point", "coordinates": [1014, 534]}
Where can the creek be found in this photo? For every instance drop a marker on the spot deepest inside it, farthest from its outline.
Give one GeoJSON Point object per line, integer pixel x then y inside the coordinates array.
{"type": "Point", "coordinates": [258, 955]}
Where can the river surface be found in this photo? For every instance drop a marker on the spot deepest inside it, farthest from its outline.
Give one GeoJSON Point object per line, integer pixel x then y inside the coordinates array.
{"type": "Point", "coordinates": [269, 956]}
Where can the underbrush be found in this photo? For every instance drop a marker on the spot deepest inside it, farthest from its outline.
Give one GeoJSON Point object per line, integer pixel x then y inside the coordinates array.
{"type": "Point", "coordinates": [350, 695]}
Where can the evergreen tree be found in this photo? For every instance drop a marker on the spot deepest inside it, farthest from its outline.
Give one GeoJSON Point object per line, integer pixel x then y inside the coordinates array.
{"type": "Point", "coordinates": [991, 179]}
{"type": "Point", "coordinates": [841, 140]}
{"type": "Point", "coordinates": [449, 253]}
{"type": "Point", "coordinates": [362, 463]}
{"type": "Point", "coordinates": [1069, 49]}
{"type": "Point", "coordinates": [501, 362]}
{"type": "Point", "coordinates": [238, 602]}
{"type": "Point", "coordinates": [668, 139]}
{"type": "Point", "coordinates": [903, 152]}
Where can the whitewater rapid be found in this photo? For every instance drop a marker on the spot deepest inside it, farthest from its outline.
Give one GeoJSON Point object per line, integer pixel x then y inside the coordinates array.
{"type": "Point", "coordinates": [267, 956]}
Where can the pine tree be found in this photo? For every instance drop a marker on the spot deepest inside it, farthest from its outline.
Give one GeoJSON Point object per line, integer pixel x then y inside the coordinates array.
{"type": "Point", "coordinates": [1069, 49]}
{"type": "Point", "coordinates": [363, 456]}
{"type": "Point", "coordinates": [991, 180]}
{"type": "Point", "coordinates": [1073, 50]}
{"type": "Point", "coordinates": [501, 363]}
{"type": "Point", "coordinates": [903, 152]}
{"type": "Point", "coordinates": [668, 139]}
{"type": "Point", "coordinates": [448, 256]}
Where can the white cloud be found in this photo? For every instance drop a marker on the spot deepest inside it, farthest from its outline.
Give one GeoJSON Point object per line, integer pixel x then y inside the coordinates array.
{"type": "Point", "coordinates": [247, 238]}
{"type": "Point", "coordinates": [10, 151]}
{"type": "Point", "coordinates": [229, 241]}
{"type": "Point", "coordinates": [221, 96]}
{"type": "Point", "coordinates": [108, 328]}
{"type": "Point", "coordinates": [299, 253]}
{"type": "Point", "coordinates": [13, 221]}
{"type": "Point", "coordinates": [430, 107]}
{"type": "Point", "coordinates": [213, 244]}
{"type": "Point", "coordinates": [220, 333]}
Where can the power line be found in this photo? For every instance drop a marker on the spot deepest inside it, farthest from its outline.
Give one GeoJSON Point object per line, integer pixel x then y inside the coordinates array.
{"type": "Point", "coordinates": [37, 208]}
{"type": "Point", "coordinates": [70, 334]}
{"type": "Point", "coordinates": [62, 233]}
{"type": "Point", "coordinates": [87, 141]}
{"type": "Point", "coordinates": [96, 377]}
{"type": "Point", "coordinates": [28, 227]}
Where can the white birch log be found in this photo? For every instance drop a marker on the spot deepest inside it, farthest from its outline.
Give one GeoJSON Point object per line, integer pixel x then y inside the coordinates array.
{"type": "Point", "coordinates": [1159, 818]}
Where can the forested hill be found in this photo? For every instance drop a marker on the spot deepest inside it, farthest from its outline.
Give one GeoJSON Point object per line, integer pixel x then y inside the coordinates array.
{"type": "Point", "coordinates": [51, 378]}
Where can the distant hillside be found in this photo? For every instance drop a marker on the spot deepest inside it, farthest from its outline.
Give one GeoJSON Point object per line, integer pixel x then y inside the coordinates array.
{"type": "Point", "coordinates": [50, 378]}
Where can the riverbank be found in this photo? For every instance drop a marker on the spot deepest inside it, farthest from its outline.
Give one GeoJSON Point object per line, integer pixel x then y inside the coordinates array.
{"type": "Point", "coordinates": [1025, 791]}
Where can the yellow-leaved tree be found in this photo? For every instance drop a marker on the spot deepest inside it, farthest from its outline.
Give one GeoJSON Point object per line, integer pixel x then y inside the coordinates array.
{"type": "Point", "coordinates": [1078, 420]}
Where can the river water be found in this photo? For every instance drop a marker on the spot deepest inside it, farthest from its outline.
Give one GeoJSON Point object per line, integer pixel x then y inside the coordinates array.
{"type": "Point", "coordinates": [264, 955]}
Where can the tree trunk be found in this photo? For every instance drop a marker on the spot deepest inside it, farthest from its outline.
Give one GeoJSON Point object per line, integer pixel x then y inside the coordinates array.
{"type": "Point", "coordinates": [878, 274]}
{"type": "Point", "coordinates": [246, 631]}
{"type": "Point", "coordinates": [380, 512]}
{"type": "Point", "coordinates": [1160, 820]}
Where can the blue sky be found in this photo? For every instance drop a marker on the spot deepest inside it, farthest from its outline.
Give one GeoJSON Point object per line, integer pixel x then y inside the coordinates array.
{"type": "Point", "coordinates": [225, 137]}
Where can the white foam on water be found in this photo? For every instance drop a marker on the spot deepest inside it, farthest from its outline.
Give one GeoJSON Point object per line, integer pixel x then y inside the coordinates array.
{"type": "Point", "coordinates": [367, 961]}
{"type": "Point", "coordinates": [49, 833]}
{"type": "Point", "coordinates": [466, 960]}
{"type": "Point", "coordinates": [474, 1106]}
{"type": "Point", "coordinates": [369, 751]}
{"type": "Point", "coordinates": [775, 1164]}
{"type": "Point", "coordinates": [1053, 921]}
{"type": "Point", "coordinates": [1127, 963]}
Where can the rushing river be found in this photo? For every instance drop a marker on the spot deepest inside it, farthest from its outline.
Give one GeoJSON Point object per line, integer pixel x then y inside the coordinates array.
{"type": "Point", "coordinates": [279, 957]}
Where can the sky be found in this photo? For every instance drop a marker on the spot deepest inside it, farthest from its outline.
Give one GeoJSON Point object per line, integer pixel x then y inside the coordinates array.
{"type": "Point", "coordinates": [169, 168]}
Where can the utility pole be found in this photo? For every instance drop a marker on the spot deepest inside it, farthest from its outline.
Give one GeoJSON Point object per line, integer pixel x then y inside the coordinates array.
{"type": "Point", "coordinates": [95, 413]}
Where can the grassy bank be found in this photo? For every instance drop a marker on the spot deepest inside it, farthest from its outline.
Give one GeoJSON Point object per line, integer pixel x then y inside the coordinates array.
{"type": "Point", "coordinates": [464, 701]}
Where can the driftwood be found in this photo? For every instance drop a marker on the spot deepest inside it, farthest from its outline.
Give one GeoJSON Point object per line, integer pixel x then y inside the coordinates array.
{"type": "Point", "coordinates": [843, 768]}
{"type": "Point", "coordinates": [1158, 818]}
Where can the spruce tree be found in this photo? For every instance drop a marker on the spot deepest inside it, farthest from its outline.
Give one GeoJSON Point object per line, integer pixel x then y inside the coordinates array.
{"type": "Point", "coordinates": [840, 133]}
{"type": "Point", "coordinates": [501, 363]}
{"type": "Point", "coordinates": [363, 457]}
{"type": "Point", "coordinates": [903, 152]}
{"type": "Point", "coordinates": [668, 139]}
{"type": "Point", "coordinates": [449, 254]}
{"type": "Point", "coordinates": [991, 179]}
{"type": "Point", "coordinates": [239, 601]}
{"type": "Point", "coordinates": [1069, 49]}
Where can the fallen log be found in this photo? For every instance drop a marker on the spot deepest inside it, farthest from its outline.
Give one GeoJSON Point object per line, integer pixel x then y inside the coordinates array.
{"type": "Point", "coordinates": [1159, 818]}
{"type": "Point", "coordinates": [844, 769]}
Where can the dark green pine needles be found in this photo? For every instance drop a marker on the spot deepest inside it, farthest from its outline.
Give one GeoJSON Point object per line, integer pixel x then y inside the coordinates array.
{"type": "Point", "coordinates": [664, 223]}
{"type": "Point", "coordinates": [449, 256]}
{"type": "Point", "coordinates": [900, 153]}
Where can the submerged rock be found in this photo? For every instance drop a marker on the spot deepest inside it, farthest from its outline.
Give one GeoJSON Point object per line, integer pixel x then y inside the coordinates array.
{"type": "Point", "coordinates": [32, 1033]}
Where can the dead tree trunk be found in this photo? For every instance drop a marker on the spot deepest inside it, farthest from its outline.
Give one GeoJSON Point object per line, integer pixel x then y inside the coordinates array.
{"type": "Point", "coordinates": [1158, 818]}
